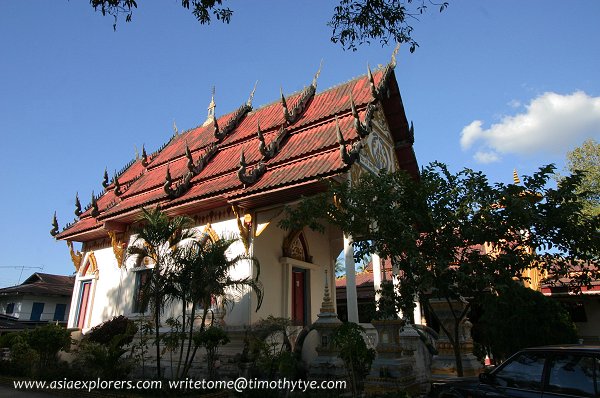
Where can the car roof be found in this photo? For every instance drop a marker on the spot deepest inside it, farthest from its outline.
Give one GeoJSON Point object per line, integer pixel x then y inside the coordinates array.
{"type": "Point", "coordinates": [566, 347]}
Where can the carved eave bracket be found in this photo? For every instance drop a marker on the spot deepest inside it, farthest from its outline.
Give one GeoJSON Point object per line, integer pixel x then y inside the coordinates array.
{"type": "Point", "coordinates": [76, 256]}
{"type": "Point", "coordinates": [242, 228]}
{"type": "Point", "coordinates": [118, 247]}
{"type": "Point", "coordinates": [250, 177]}
{"type": "Point", "coordinates": [348, 157]}
{"type": "Point", "coordinates": [210, 233]}
{"type": "Point", "coordinates": [269, 151]}
{"type": "Point", "coordinates": [54, 230]}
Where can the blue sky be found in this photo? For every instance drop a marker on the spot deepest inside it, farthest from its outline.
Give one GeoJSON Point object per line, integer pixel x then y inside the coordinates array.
{"type": "Point", "coordinates": [494, 85]}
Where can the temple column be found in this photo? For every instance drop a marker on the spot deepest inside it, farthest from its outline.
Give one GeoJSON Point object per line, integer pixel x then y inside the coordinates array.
{"type": "Point", "coordinates": [351, 296]}
{"type": "Point", "coordinates": [376, 260]}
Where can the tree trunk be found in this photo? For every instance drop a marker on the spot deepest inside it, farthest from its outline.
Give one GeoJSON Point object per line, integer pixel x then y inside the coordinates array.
{"type": "Point", "coordinates": [183, 312]}
{"type": "Point", "coordinates": [157, 336]}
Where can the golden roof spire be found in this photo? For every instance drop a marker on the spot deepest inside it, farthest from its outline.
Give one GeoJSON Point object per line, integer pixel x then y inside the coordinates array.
{"type": "Point", "coordinates": [211, 109]}
{"type": "Point", "coordinates": [516, 177]}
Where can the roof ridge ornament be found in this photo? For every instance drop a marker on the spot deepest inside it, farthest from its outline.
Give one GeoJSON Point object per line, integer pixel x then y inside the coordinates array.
{"type": "Point", "coordinates": [394, 53]}
{"type": "Point", "coordinates": [94, 206]}
{"type": "Point", "coordinates": [234, 120]}
{"type": "Point", "coordinates": [54, 230]}
{"type": "Point", "coordinates": [180, 188]}
{"type": "Point", "coordinates": [188, 155]}
{"type": "Point", "coordinates": [144, 156]}
{"type": "Point", "coordinates": [410, 139]}
{"type": "Point", "coordinates": [77, 205]}
{"type": "Point", "coordinates": [210, 117]}
{"type": "Point", "coordinates": [382, 88]}
{"type": "Point", "coordinates": [252, 176]}
{"type": "Point", "coordinates": [105, 183]}
{"type": "Point", "coordinates": [251, 97]}
{"type": "Point", "coordinates": [269, 151]}
{"type": "Point", "coordinates": [348, 157]}
{"type": "Point", "coordinates": [314, 82]}
{"type": "Point", "coordinates": [117, 189]}
{"type": "Point", "coordinates": [306, 95]}
{"type": "Point", "coordinates": [363, 129]}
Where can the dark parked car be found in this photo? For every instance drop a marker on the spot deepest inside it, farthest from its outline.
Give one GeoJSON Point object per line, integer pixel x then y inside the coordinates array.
{"type": "Point", "coordinates": [553, 371]}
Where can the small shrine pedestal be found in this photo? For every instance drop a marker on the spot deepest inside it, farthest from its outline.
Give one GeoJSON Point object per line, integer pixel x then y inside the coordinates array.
{"type": "Point", "coordinates": [444, 364]}
{"type": "Point", "coordinates": [327, 365]}
{"type": "Point", "coordinates": [393, 368]}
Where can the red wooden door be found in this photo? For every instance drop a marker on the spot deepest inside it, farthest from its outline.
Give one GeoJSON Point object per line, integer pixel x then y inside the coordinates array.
{"type": "Point", "coordinates": [298, 299]}
{"type": "Point", "coordinates": [83, 304]}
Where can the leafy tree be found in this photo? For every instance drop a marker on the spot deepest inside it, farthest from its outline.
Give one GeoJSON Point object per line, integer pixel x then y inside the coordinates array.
{"type": "Point", "coordinates": [517, 317]}
{"type": "Point", "coordinates": [158, 238]}
{"type": "Point", "coordinates": [201, 9]}
{"type": "Point", "coordinates": [354, 22]}
{"type": "Point", "coordinates": [455, 237]}
{"type": "Point", "coordinates": [587, 159]}
{"type": "Point", "coordinates": [203, 275]}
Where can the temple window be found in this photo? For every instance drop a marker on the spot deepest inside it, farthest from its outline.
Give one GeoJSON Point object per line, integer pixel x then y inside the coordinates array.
{"type": "Point", "coordinates": [140, 293]}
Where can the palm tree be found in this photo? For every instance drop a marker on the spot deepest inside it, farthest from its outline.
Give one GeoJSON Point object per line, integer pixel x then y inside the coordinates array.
{"type": "Point", "coordinates": [159, 239]}
{"type": "Point", "coordinates": [204, 275]}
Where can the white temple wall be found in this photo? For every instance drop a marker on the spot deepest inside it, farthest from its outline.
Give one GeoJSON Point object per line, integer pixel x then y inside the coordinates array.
{"type": "Point", "coordinates": [113, 289]}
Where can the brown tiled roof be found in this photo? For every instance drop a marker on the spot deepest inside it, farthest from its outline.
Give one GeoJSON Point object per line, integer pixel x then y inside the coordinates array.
{"type": "Point", "coordinates": [40, 284]}
{"type": "Point", "coordinates": [310, 152]}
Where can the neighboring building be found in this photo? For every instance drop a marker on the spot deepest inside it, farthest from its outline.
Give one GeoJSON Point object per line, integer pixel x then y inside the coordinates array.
{"type": "Point", "coordinates": [583, 305]}
{"type": "Point", "coordinates": [42, 298]}
{"type": "Point", "coordinates": [235, 174]}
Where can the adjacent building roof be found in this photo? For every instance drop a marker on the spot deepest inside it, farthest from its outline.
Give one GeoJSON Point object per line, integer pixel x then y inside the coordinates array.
{"type": "Point", "coordinates": [251, 157]}
{"type": "Point", "coordinates": [40, 284]}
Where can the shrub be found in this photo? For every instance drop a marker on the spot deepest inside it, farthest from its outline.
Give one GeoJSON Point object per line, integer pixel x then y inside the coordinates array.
{"type": "Point", "coordinates": [211, 339]}
{"type": "Point", "coordinates": [354, 352]}
{"type": "Point", "coordinates": [100, 353]}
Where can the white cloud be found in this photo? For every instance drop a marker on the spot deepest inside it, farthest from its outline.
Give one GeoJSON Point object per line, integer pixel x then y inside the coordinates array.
{"type": "Point", "coordinates": [514, 103]}
{"type": "Point", "coordinates": [486, 157]}
{"type": "Point", "coordinates": [551, 123]}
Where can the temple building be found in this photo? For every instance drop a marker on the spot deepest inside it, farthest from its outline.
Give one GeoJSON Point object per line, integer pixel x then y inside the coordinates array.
{"type": "Point", "coordinates": [234, 173]}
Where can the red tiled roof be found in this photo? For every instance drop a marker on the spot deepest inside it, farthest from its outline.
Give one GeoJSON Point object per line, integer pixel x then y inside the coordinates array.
{"type": "Point", "coordinates": [309, 152]}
